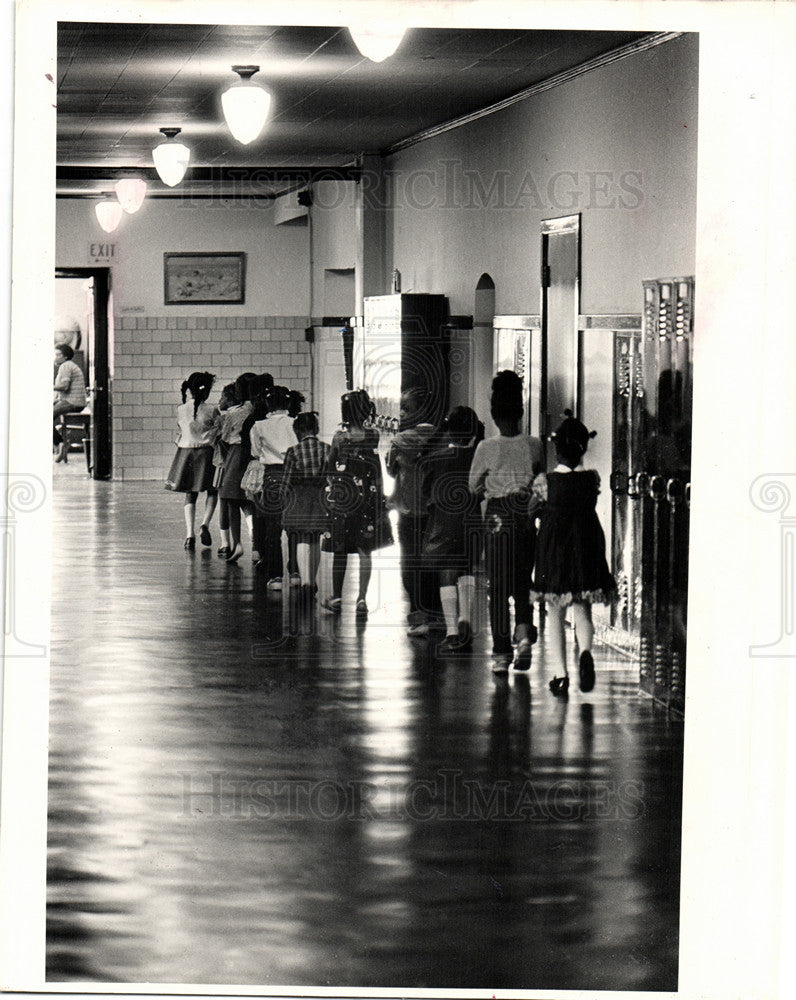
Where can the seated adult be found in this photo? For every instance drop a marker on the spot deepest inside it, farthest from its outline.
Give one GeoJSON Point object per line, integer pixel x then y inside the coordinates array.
{"type": "Point", "coordinates": [69, 394]}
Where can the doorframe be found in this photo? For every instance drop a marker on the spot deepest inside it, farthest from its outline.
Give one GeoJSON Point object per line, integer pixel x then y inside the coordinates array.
{"type": "Point", "coordinates": [557, 227]}
{"type": "Point", "coordinates": [100, 362]}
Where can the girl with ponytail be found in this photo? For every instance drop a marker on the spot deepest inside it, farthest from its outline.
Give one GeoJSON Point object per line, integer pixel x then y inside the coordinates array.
{"type": "Point", "coordinates": [192, 470]}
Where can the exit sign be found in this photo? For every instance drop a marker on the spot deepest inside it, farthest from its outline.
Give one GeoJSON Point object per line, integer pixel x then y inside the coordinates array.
{"type": "Point", "coordinates": [102, 253]}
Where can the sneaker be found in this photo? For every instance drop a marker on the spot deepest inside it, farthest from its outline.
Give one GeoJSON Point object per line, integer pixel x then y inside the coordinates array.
{"type": "Point", "coordinates": [586, 671]}
{"type": "Point", "coordinates": [295, 580]}
{"type": "Point", "coordinates": [500, 663]}
{"type": "Point", "coordinates": [419, 631]}
{"type": "Point", "coordinates": [204, 535]}
{"type": "Point", "coordinates": [275, 583]}
{"type": "Point", "coordinates": [522, 661]}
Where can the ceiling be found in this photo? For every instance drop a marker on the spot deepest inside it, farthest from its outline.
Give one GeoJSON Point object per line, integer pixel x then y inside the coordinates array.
{"type": "Point", "coordinates": [118, 84]}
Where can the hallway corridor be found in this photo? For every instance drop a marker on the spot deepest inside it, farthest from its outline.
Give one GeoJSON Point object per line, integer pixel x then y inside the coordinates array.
{"type": "Point", "coordinates": [242, 794]}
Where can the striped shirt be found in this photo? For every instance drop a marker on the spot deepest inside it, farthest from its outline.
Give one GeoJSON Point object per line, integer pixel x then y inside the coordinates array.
{"type": "Point", "coordinates": [70, 385]}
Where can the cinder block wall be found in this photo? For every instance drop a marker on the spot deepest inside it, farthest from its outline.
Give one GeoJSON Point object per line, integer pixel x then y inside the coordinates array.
{"type": "Point", "coordinates": [153, 354]}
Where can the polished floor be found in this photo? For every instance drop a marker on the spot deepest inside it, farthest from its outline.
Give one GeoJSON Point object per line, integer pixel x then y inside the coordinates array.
{"type": "Point", "coordinates": [244, 793]}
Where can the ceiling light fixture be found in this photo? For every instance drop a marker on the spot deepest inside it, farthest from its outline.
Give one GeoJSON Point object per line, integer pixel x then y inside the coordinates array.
{"type": "Point", "coordinates": [131, 192]}
{"type": "Point", "coordinates": [377, 38]}
{"type": "Point", "coordinates": [171, 158]}
{"type": "Point", "coordinates": [246, 105]}
{"type": "Point", "coordinates": [109, 213]}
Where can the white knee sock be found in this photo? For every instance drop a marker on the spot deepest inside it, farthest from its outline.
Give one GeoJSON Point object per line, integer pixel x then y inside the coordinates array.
{"type": "Point", "coordinates": [554, 638]}
{"type": "Point", "coordinates": [466, 588]}
{"type": "Point", "coordinates": [584, 630]}
{"type": "Point", "coordinates": [189, 511]}
{"type": "Point", "coordinates": [303, 560]}
{"type": "Point", "coordinates": [225, 537]}
{"type": "Point", "coordinates": [447, 597]}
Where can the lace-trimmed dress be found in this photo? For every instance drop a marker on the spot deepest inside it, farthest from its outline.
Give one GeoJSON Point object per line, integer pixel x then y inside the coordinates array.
{"type": "Point", "coordinates": [570, 546]}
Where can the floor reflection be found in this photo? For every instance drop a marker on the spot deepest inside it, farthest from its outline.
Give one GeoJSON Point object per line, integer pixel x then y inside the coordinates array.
{"type": "Point", "coordinates": [243, 791]}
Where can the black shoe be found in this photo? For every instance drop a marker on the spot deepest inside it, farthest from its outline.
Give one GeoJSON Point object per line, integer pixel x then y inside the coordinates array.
{"type": "Point", "coordinates": [586, 670]}
{"type": "Point", "coordinates": [560, 686]}
{"type": "Point", "coordinates": [204, 535]}
{"type": "Point", "coordinates": [522, 661]}
{"type": "Point", "coordinates": [465, 636]}
{"type": "Point", "coordinates": [224, 551]}
{"type": "Point", "coordinates": [190, 544]}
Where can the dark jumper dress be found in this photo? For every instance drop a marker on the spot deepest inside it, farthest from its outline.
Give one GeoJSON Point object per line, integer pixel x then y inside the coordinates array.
{"type": "Point", "coordinates": [354, 495]}
{"type": "Point", "coordinates": [452, 538]}
{"type": "Point", "coordinates": [570, 545]}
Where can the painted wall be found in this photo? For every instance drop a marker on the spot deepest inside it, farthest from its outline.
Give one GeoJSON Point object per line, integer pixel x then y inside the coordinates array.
{"type": "Point", "coordinates": [277, 272]}
{"type": "Point", "coordinates": [154, 346]}
{"type": "Point", "coordinates": [334, 247]}
{"type": "Point", "coordinates": [617, 145]}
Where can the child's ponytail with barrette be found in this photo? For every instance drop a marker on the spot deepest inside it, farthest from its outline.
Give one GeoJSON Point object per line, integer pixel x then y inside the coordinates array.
{"type": "Point", "coordinates": [571, 439]}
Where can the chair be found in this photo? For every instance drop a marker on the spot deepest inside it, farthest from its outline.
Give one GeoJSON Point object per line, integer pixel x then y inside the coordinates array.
{"type": "Point", "coordinates": [75, 429]}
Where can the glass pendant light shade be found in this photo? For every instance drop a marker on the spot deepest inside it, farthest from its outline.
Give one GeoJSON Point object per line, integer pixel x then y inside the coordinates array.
{"type": "Point", "coordinates": [131, 192]}
{"type": "Point", "coordinates": [109, 214]}
{"type": "Point", "coordinates": [246, 105]}
{"type": "Point", "coordinates": [171, 158]}
{"type": "Point", "coordinates": [377, 39]}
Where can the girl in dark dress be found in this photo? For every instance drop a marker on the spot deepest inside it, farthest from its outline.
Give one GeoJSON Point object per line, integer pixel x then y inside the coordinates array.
{"type": "Point", "coordinates": [452, 539]}
{"type": "Point", "coordinates": [354, 498]}
{"type": "Point", "coordinates": [571, 569]}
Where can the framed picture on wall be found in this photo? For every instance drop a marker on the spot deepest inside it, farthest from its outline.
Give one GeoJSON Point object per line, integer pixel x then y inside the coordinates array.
{"type": "Point", "coordinates": [204, 278]}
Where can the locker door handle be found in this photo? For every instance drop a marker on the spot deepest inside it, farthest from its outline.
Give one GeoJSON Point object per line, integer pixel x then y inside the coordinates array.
{"type": "Point", "coordinates": [657, 488]}
{"type": "Point", "coordinates": [675, 491]}
{"type": "Point", "coordinates": [638, 485]}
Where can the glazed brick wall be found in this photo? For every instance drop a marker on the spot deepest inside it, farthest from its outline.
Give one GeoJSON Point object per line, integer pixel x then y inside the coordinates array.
{"type": "Point", "coordinates": [152, 355]}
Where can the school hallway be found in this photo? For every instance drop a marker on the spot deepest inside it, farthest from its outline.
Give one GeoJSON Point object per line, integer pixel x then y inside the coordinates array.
{"type": "Point", "coordinates": [243, 792]}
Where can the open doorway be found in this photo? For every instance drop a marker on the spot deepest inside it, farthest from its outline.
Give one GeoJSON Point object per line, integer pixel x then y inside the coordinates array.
{"type": "Point", "coordinates": [560, 309]}
{"type": "Point", "coordinates": [482, 352]}
{"type": "Point", "coordinates": [82, 297]}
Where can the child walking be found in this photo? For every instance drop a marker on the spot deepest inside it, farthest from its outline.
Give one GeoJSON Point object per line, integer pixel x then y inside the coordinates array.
{"type": "Point", "coordinates": [502, 472]}
{"type": "Point", "coordinates": [357, 520]}
{"type": "Point", "coordinates": [571, 569]}
{"type": "Point", "coordinates": [270, 439]}
{"type": "Point", "coordinates": [252, 481]}
{"type": "Point", "coordinates": [303, 513]}
{"type": "Point", "coordinates": [405, 465]}
{"type": "Point", "coordinates": [236, 458]}
{"type": "Point", "coordinates": [192, 470]}
{"type": "Point", "coordinates": [228, 398]}
{"type": "Point", "coordinates": [451, 542]}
